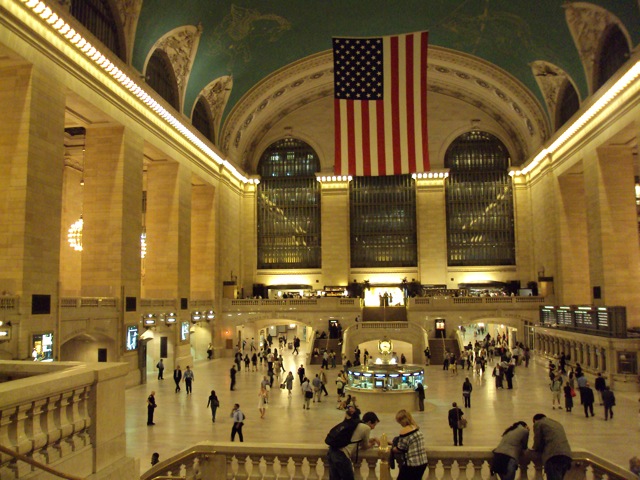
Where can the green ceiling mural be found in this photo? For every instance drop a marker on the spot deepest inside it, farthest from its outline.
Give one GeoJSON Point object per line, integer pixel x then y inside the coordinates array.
{"type": "Point", "coordinates": [249, 39]}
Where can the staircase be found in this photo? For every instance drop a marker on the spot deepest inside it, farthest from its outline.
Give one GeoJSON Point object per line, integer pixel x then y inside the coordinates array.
{"type": "Point", "coordinates": [328, 344]}
{"type": "Point", "coordinates": [439, 345]}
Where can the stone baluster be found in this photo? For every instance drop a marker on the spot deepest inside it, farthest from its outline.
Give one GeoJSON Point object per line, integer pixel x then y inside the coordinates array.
{"type": "Point", "coordinates": [232, 466]}
{"type": "Point", "coordinates": [253, 466]}
{"type": "Point", "coordinates": [473, 469]}
{"type": "Point", "coordinates": [243, 466]}
{"type": "Point", "coordinates": [533, 473]}
{"type": "Point", "coordinates": [83, 412]}
{"type": "Point", "coordinates": [371, 467]}
{"type": "Point", "coordinates": [34, 431]}
{"type": "Point", "coordinates": [48, 426]}
{"type": "Point", "coordinates": [19, 438]}
{"type": "Point", "coordinates": [297, 467]}
{"type": "Point", "coordinates": [5, 426]}
{"type": "Point", "coordinates": [64, 425]}
{"type": "Point", "coordinates": [313, 468]}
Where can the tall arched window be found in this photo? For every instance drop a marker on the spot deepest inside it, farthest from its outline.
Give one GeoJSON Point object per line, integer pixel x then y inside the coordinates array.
{"type": "Point", "coordinates": [614, 52]}
{"type": "Point", "coordinates": [98, 18]}
{"type": "Point", "coordinates": [161, 77]}
{"type": "Point", "coordinates": [201, 118]}
{"type": "Point", "coordinates": [289, 207]}
{"type": "Point", "coordinates": [383, 221]}
{"type": "Point", "coordinates": [479, 201]}
{"type": "Point", "coordinates": [568, 104]}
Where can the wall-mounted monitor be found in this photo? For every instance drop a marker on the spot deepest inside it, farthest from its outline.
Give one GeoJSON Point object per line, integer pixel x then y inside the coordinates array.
{"type": "Point", "coordinates": [132, 338]}
{"type": "Point", "coordinates": [184, 330]}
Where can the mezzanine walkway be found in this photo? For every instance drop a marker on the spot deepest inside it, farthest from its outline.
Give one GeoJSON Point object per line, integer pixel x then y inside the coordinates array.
{"type": "Point", "coordinates": [183, 420]}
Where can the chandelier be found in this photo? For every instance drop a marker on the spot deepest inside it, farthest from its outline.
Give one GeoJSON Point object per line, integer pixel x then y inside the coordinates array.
{"type": "Point", "coordinates": [74, 235]}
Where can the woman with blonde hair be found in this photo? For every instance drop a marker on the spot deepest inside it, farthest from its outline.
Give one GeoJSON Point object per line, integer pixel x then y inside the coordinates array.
{"type": "Point", "coordinates": [409, 448]}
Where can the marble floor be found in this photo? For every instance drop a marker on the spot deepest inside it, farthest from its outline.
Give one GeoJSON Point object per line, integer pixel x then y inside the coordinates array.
{"type": "Point", "coordinates": [183, 420]}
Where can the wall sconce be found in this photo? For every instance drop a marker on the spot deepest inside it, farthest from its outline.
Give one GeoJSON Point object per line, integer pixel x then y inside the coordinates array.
{"type": "Point", "coordinates": [196, 316]}
{"type": "Point", "coordinates": [170, 318]}
{"type": "Point", "coordinates": [149, 319]}
{"type": "Point", "coordinates": [210, 315]}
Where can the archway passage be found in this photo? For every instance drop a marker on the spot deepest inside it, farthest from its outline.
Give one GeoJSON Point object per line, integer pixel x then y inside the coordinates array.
{"type": "Point", "coordinates": [88, 347]}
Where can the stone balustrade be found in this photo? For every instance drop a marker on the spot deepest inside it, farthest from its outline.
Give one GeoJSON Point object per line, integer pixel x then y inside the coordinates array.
{"type": "Point", "coordinates": [617, 358]}
{"type": "Point", "coordinates": [248, 461]}
{"type": "Point", "coordinates": [49, 413]}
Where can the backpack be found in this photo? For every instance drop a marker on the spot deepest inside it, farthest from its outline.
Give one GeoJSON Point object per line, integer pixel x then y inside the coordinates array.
{"type": "Point", "coordinates": [340, 435]}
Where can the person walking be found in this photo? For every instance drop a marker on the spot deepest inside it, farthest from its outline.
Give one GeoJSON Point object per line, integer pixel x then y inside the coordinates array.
{"type": "Point", "coordinates": [301, 372]}
{"type": "Point", "coordinates": [323, 380]}
{"type": "Point", "coordinates": [238, 422]}
{"type": "Point", "coordinates": [410, 443]}
{"type": "Point", "coordinates": [550, 441]}
{"type": "Point", "coordinates": [188, 379]}
{"type": "Point", "coordinates": [568, 397]}
{"type": "Point", "coordinates": [608, 400]}
{"type": "Point", "coordinates": [587, 399]}
{"type": "Point", "coordinates": [600, 385]}
{"type": "Point", "coordinates": [214, 403]}
{"type": "Point", "coordinates": [556, 389]}
{"type": "Point", "coordinates": [160, 366]}
{"type": "Point", "coordinates": [506, 456]}
{"type": "Point", "coordinates": [210, 352]}
{"type": "Point", "coordinates": [232, 376]}
{"type": "Point", "coordinates": [262, 401]}
{"type": "Point", "coordinates": [466, 392]}
{"type": "Point", "coordinates": [455, 422]}
{"type": "Point", "coordinates": [151, 407]}
{"type": "Point", "coordinates": [420, 392]}
{"type": "Point", "coordinates": [307, 391]}
{"type": "Point", "coordinates": [177, 377]}
{"type": "Point", "coordinates": [289, 382]}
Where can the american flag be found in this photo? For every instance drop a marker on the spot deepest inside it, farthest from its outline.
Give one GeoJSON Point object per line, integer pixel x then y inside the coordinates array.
{"type": "Point", "coordinates": [380, 105]}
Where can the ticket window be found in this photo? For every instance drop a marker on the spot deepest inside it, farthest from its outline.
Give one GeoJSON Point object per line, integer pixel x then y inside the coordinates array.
{"type": "Point", "coordinates": [42, 347]}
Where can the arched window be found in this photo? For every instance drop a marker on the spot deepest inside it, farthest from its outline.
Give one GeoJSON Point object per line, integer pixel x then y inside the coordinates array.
{"type": "Point", "coordinates": [614, 52]}
{"type": "Point", "coordinates": [568, 104]}
{"type": "Point", "coordinates": [479, 200]}
{"type": "Point", "coordinates": [162, 79]}
{"type": "Point", "coordinates": [289, 206]}
{"type": "Point", "coordinates": [98, 18]}
{"type": "Point", "coordinates": [201, 119]}
{"type": "Point", "coordinates": [383, 221]}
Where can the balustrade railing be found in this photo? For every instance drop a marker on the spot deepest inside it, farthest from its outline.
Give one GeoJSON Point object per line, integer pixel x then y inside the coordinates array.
{"type": "Point", "coordinates": [247, 461]}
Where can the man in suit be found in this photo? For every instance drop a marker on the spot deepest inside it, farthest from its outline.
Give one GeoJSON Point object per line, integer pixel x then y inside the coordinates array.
{"type": "Point", "coordinates": [455, 414]}
{"type": "Point", "coordinates": [177, 376]}
{"type": "Point", "coordinates": [151, 406]}
{"type": "Point", "coordinates": [550, 441]}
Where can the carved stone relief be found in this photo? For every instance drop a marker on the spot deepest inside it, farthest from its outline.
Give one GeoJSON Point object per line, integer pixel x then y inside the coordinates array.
{"type": "Point", "coordinates": [586, 23]}
{"type": "Point", "coordinates": [181, 45]}
{"type": "Point", "coordinates": [129, 11]}
{"type": "Point", "coordinates": [216, 94]}
{"type": "Point", "coordinates": [550, 79]}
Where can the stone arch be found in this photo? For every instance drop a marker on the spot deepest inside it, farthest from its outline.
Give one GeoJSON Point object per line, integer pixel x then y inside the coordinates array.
{"type": "Point", "coordinates": [83, 346]}
{"type": "Point", "coordinates": [409, 332]}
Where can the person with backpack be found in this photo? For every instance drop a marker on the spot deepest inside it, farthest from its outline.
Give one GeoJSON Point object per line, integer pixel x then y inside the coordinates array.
{"type": "Point", "coordinates": [346, 439]}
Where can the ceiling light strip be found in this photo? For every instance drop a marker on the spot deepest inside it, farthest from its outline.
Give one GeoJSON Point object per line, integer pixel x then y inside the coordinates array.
{"type": "Point", "coordinates": [58, 25]}
{"type": "Point", "coordinates": [620, 86]}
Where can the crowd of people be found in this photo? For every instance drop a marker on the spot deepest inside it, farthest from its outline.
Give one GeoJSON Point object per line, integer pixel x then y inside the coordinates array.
{"type": "Point", "coordinates": [567, 385]}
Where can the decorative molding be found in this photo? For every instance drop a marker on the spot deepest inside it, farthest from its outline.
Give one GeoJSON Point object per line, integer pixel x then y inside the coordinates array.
{"type": "Point", "coordinates": [180, 45]}
{"type": "Point", "coordinates": [587, 22]}
{"type": "Point", "coordinates": [550, 79]}
{"type": "Point", "coordinates": [129, 11]}
{"type": "Point", "coordinates": [451, 73]}
{"type": "Point", "coordinates": [216, 94]}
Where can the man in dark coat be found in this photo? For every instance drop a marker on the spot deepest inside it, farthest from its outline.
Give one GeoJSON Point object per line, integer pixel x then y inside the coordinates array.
{"type": "Point", "coordinates": [550, 441]}
{"type": "Point", "coordinates": [177, 376]}
{"type": "Point", "coordinates": [609, 400]}
{"type": "Point", "coordinates": [600, 386]}
{"type": "Point", "coordinates": [420, 391]}
{"type": "Point", "coordinates": [455, 414]}
{"type": "Point", "coordinates": [587, 399]}
{"type": "Point", "coordinates": [232, 375]}
{"type": "Point", "coordinates": [151, 406]}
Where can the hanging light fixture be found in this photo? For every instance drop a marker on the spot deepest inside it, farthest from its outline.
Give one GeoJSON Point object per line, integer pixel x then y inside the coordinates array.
{"type": "Point", "coordinates": [74, 235]}
{"type": "Point", "coordinates": [143, 244]}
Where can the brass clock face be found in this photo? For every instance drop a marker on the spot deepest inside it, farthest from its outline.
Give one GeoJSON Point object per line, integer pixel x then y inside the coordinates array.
{"type": "Point", "coordinates": [384, 346]}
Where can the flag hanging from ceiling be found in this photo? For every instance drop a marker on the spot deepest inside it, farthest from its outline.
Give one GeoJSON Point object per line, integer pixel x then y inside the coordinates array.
{"type": "Point", "coordinates": [380, 105]}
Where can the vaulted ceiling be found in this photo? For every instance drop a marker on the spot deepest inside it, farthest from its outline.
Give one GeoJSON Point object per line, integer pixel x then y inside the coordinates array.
{"type": "Point", "coordinates": [255, 60]}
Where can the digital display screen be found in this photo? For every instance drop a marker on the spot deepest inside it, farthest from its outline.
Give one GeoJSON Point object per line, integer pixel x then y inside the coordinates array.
{"type": "Point", "coordinates": [184, 331]}
{"type": "Point", "coordinates": [132, 338]}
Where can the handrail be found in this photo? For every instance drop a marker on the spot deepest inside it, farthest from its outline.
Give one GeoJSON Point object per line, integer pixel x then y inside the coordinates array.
{"type": "Point", "coordinates": [34, 463]}
{"type": "Point", "coordinates": [207, 457]}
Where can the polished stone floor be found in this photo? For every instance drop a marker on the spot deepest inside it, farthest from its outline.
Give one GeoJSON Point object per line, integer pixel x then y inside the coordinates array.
{"type": "Point", "coordinates": [183, 420]}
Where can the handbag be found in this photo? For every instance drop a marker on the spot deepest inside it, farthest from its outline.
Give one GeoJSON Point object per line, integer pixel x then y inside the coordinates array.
{"type": "Point", "coordinates": [308, 394]}
{"type": "Point", "coordinates": [282, 385]}
{"type": "Point", "coordinates": [462, 422]}
{"type": "Point", "coordinates": [573, 392]}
